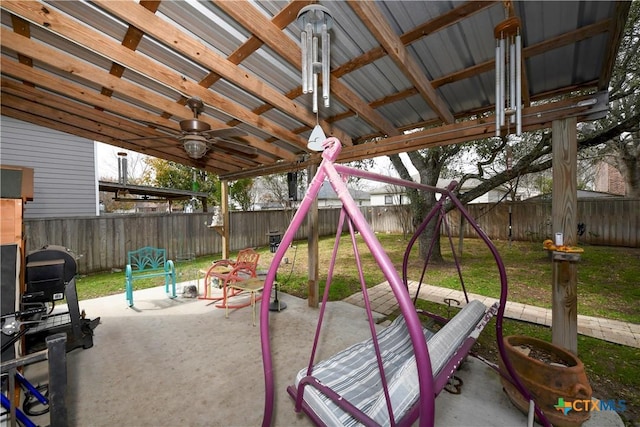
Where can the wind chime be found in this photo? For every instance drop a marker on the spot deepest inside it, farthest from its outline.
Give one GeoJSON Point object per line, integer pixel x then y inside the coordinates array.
{"type": "Point", "coordinates": [315, 23]}
{"type": "Point", "coordinates": [508, 75]}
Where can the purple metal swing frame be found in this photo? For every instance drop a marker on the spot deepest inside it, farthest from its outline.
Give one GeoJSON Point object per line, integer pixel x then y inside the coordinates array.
{"type": "Point", "coordinates": [429, 386]}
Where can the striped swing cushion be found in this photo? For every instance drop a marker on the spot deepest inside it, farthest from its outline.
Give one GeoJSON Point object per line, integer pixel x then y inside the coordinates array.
{"type": "Point", "coordinates": [353, 372]}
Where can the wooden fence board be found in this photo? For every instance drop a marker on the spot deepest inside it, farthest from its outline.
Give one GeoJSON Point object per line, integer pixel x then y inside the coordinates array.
{"type": "Point", "coordinates": [103, 242]}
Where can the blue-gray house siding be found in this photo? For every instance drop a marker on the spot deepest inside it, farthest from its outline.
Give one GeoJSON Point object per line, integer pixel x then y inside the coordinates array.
{"type": "Point", "coordinates": [64, 167]}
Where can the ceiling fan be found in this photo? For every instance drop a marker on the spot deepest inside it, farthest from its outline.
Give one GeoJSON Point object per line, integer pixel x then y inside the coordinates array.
{"type": "Point", "coordinates": [198, 138]}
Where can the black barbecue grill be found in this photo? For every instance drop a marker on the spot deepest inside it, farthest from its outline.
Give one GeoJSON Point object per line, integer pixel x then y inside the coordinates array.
{"type": "Point", "coordinates": [50, 276]}
{"type": "Point", "coordinates": [48, 271]}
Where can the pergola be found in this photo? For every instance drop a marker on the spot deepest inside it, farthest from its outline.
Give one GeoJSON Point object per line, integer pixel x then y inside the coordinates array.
{"type": "Point", "coordinates": [150, 194]}
{"type": "Point", "coordinates": [119, 71]}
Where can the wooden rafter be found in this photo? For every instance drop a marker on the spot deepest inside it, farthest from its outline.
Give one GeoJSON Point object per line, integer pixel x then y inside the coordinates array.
{"type": "Point", "coordinates": [117, 53]}
{"type": "Point", "coordinates": [371, 16]}
{"type": "Point", "coordinates": [130, 40]}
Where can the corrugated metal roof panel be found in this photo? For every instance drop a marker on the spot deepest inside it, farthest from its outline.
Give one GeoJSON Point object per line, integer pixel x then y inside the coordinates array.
{"type": "Point", "coordinates": [282, 119]}
{"type": "Point", "coordinates": [92, 16]}
{"type": "Point", "coordinates": [558, 67]}
{"type": "Point", "coordinates": [145, 82]}
{"type": "Point", "coordinates": [238, 96]}
{"type": "Point", "coordinates": [349, 37]}
{"type": "Point", "coordinates": [207, 22]}
{"type": "Point", "coordinates": [266, 64]}
{"type": "Point", "coordinates": [375, 81]}
{"type": "Point", "coordinates": [269, 7]}
{"type": "Point", "coordinates": [170, 59]}
{"type": "Point", "coordinates": [469, 94]}
{"type": "Point", "coordinates": [355, 126]}
{"type": "Point", "coordinates": [70, 49]}
{"type": "Point", "coordinates": [141, 105]}
{"type": "Point", "coordinates": [377, 96]}
{"type": "Point", "coordinates": [408, 111]}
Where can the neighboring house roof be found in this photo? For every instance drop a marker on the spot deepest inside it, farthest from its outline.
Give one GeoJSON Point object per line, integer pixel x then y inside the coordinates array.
{"type": "Point", "coordinates": [582, 194]}
{"type": "Point", "coordinates": [328, 193]}
{"type": "Point", "coordinates": [442, 183]}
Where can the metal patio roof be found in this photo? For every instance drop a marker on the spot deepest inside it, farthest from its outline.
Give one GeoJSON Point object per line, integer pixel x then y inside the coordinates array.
{"type": "Point", "coordinates": [115, 70]}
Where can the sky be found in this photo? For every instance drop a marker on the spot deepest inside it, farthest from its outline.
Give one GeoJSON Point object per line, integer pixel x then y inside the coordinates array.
{"type": "Point", "coordinates": [107, 161]}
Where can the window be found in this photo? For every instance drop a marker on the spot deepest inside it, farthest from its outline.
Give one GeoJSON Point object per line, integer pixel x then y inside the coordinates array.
{"type": "Point", "coordinates": [388, 200]}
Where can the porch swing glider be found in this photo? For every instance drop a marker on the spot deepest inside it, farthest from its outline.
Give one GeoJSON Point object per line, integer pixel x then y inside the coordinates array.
{"type": "Point", "coordinates": [393, 377]}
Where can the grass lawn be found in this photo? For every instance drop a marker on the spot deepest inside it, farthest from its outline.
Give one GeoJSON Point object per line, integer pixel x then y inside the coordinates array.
{"type": "Point", "coordinates": [608, 280]}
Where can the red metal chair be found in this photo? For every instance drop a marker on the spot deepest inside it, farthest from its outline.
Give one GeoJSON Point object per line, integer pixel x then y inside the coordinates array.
{"type": "Point", "coordinates": [220, 272]}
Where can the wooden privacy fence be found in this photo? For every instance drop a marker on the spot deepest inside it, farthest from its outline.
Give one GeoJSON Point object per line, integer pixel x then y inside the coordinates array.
{"type": "Point", "coordinates": [606, 222]}
{"type": "Point", "coordinates": [102, 242]}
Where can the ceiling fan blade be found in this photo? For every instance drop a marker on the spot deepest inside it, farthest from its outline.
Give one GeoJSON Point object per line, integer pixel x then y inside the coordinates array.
{"type": "Point", "coordinates": [159, 127]}
{"type": "Point", "coordinates": [150, 138]}
{"type": "Point", "coordinates": [234, 146]}
{"type": "Point", "coordinates": [224, 133]}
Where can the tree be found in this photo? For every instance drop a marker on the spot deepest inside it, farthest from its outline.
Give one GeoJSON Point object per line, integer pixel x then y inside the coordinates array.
{"type": "Point", "coordinates": [241, 191]}
{"type": "Point", "coordinates": [617, 136]}
{"type": "Point", "coordinates": [622, 150]}
{"type": "Point", "coordinates": [274, 189]}
{"type": "Point", "coordinates": [400, 204]}
{"type": "Point", "coordinates": [164, 173]}
{"type": "Point", "coordinates": [429, 164]}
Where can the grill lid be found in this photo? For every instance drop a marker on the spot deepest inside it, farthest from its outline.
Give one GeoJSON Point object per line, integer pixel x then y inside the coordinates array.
{"type": "Point", "coordinates": [55, 252]}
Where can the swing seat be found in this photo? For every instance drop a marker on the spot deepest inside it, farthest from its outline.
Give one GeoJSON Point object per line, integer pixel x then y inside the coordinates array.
{"type": "Point", "coordinates": [393, 378]}
{"type": "Point", "coordinates": [353, 373]}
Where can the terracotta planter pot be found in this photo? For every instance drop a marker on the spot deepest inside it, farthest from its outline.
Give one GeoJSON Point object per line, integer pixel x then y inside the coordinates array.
{"type": "Point", "coordinates": [547, 382]}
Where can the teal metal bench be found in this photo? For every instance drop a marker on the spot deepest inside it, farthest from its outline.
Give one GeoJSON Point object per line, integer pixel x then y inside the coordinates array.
{"type": "Point", "coordinates": [149, 262]}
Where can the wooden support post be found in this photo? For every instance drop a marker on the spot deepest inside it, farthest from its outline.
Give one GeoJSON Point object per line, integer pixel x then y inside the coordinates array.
{"type": "Point", "coordinates": [564, 323]}
{"type": "Point", "coordinates": [224, 212]}
{"type": "Point", "coordinates": [313, 251]}
{"type": "Point", "coordinates": [564, 311]}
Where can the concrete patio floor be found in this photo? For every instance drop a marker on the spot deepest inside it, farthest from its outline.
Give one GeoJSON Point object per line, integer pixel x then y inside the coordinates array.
{"type": "Point", "coordinates": [179, 362]}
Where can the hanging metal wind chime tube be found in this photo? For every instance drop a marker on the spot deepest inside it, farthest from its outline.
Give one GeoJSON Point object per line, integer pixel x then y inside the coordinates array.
{"type": "Point", "coordinates": [518, 85]}
{"type": "Point", "coordinates": [314, 89]}
{"type": "Point", "coordinates": [508, 74]}
{"type": "Point", "coordinates": [315, 22]}
{"type": "Point", "coordinates": [310, 57]}
{"type": "Point", "coordinates": [326, 74]}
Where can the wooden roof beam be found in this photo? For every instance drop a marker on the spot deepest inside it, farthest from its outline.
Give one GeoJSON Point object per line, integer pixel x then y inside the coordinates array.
{"type": "Point", "coordinates": [536, 117]}
{"type": "Point", "coordinates": [616, 30]}
{"type": "Point", "coordinates": [97, 42]}
{"type": "Point", "coordinates": [27, 116]}
{"type": "Point", "coordinates": [87, 98]}
{"type": "Point", "coordinates": [55, 118]}
{"type": "Point", "coordinates": [130, 40]}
